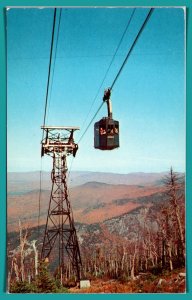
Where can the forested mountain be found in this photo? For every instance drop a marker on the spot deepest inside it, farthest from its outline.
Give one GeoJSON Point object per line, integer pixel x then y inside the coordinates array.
{"type": "Point", "coordinates": [123, 230]}
{"type": "Point", "coordinates": [108, 196]}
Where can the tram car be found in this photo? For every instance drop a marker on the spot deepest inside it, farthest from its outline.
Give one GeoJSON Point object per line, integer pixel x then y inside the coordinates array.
{"type": "Point", "coordinates": [106, 135]}
{"type": "Point", "coordinates": [106, 131]}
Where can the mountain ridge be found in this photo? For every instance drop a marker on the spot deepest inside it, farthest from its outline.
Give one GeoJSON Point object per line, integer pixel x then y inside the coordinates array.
{"type": "Point", "coordinates": [95, 200]}
{"type": "Point", "coordinates": [80, 177]}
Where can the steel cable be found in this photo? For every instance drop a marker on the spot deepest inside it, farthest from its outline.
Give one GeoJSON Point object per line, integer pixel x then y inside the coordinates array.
{"type": "Point", "coordinates": [130, 50]}
{"type": "Point", "coordinates": [112, 60]}
{"type": "Point", "coordinates": [45, 111]}
{"type": "Point", "coordinates": [57, 38]}
{"type": "Point", "coordinates": [114, 55]}
{"type": "Point", "coordinates": [122, 66]}
{"type": "Point", "coordinates": [49, 71]}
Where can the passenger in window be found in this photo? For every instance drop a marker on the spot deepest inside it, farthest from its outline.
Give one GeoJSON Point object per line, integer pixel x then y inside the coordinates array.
{"type": "Point", "coordinates": [116, 130]}
{"type": "Point", "coordinates": [102, 131]}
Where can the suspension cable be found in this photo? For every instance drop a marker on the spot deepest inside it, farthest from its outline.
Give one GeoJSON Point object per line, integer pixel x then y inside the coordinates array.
{"type": "Point", "coordinates": [130, 50]}
{"type": "Point", "coordinates": [90, 122]}
{"type": "Point", "coordinates": [121, 68]}
{"type": "Point", "coordinates": [57, 38]}
{"type": "Point", "coordinates": [69, 170]}
{"type": "Point", "coordinates": [44, 119]}
{"type": "Point", "coordinates": [49, 71]}
{"type": "Point", "coordinates": [39, 206]}
{"type": "Point", "coordinates": [112, 60]}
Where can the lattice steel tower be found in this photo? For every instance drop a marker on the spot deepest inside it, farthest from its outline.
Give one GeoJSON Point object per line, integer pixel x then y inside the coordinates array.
{"type": "Point", "coordinates": [60, 229]}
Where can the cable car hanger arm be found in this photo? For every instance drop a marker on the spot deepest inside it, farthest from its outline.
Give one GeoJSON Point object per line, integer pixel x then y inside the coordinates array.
{"type": "Point", "coordinates": [106, 98]}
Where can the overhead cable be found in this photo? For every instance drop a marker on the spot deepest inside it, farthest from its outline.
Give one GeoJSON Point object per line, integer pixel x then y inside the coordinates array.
{"type": "Point", "coordinates": [56, 43]}
{"type": "Point", "coordinates": [91, 121]}
{"type": "Point", "coordinates": [130, 50]}
{"type": "Point", "coordinates": [121, 68]}
{"type": "Point", "coordinates": [114, 55]}
{"type": "Point", "coordinates": [49, 70]}
{"type": "Point", "coordinates": [45, 112]}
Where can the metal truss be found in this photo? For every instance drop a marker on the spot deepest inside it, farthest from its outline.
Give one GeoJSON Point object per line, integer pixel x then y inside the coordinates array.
{"type": "Point", "coordinates": [60, 229]}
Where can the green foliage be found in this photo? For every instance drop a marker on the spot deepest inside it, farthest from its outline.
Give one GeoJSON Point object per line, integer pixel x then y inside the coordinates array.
{"type": "Point", "coordinates": [62, 290]}
{"type": "Point", "coordinates": [23, 287]}
{"type": "Point", "coordinates": [44, 282]}
{"type": "Point", "coordinates": [59, 288]}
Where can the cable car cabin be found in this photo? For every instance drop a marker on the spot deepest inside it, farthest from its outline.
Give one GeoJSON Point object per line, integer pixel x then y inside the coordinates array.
{"type": "Point", "coordinates": [106, 134]}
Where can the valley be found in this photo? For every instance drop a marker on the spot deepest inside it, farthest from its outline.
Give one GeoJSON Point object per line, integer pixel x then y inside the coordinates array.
{"type": "Point", "coordinates": [123, 230]}
{"type": "Point", "coordinates": [91, 201]}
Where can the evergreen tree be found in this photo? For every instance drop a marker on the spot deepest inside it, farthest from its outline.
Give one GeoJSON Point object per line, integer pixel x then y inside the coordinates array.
{"type": "Point", "coordinates": [45, 283]}
{"type": "Point", "coordinates": [23, 287]}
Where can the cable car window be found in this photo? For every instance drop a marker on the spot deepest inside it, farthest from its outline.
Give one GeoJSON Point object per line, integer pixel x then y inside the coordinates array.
{"type": "Point", "coordinates": [102, 131]}
{"type": "Point", "coordinates": [110, 129]}
{"type": "Point", "coordinates": [116, 129]}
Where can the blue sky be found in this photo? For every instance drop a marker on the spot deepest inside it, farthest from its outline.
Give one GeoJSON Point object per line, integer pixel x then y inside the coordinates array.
{"type": "Point", "coordinates": [148, 98]}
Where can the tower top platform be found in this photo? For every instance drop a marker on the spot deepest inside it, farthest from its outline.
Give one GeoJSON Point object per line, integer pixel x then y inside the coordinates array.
{"type": "Point", "coordinates": [60, 127]}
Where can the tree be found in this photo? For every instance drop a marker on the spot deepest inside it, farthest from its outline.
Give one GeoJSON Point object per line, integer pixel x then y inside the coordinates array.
{"type": "Point", "coordinates": [169, 216]}
{"type": "Point", "coordinates": [23, 287]}
{"type": "Point", "coordinates": [44, 282]}
{"type": "Point", "coordinates": [19, 254]}
{"type": "Point", "coordinates": [23, 241]}
{"type": "Point", "coordinates": [175, 192]}
{"type": "Point", "coordinates": [32, 245]}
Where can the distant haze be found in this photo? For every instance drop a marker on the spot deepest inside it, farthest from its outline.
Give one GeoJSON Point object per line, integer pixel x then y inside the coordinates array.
{"type": "Point", "coordinates": [95, 196]}
{"type": "Point", "coordinates": [22, 180]}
